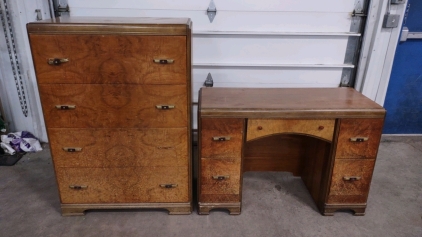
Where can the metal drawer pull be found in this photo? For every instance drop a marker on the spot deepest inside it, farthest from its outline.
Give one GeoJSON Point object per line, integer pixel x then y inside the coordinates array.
{"type": "Point", "coordinates": [164, 107]}
{"type": "Point", "coordinates": [164, 61]}
{"type": "Point", "coordinates": [165, 147]}
{"type": "Point", "coordinates": [359, 139]}
{"type": "Point", "coordinates": [168, 185]}
{"type": "Point", "coordinates": [220, 177]}
{"type": "Point", "coordinates": [57, 61]}
{"type": "Point", "coordinates": [222, 139]}
{"type": "Point", "coordinates": [352, 178]}
{"type": "Point", "coordinates": [78, 187]}
{"type": "Point", "coordinates": [65, 107]}
{"type": "Point", "coordinates": [72, 149]}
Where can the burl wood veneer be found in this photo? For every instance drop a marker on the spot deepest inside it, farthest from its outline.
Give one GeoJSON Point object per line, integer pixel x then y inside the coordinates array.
{"type": "Point", "coordinates": [116, 96]}
{"type": "Point", "coordinates": [328, 136]}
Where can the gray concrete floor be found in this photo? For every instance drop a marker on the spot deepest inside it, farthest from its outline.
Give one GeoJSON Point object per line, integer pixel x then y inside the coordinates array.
{"type": "Point", "coordinates": [274, 204]}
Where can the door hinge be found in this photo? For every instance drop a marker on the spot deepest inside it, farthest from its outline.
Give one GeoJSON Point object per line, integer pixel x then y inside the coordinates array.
{"type": "Point", "coordinates": [211, 11]}
{"type": "Point", "coordinates": [60, 7]}
{"type": "Point", "coordinates": [358, 14]}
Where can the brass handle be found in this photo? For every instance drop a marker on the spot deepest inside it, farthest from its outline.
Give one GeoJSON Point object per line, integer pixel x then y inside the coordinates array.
{"type": "Point", "coordinates": [165, 147]}
{"type": "Point", "coordinates": [57, 61]}
{"type": "Point", "coordinates": [78, 187]}
{"type": "Point", "coordinates": [359, 139]}
{"type": "Point", "coordinates": [65, 107]}
{"type": "Point", "coordinates": [352, 178]}
{"type": "Point", "coordinates": [168, 185]}
{"type": "Point", "coordinates": [72, 149]}
{"type": "Point", "coordinates": [164, 61]}
{"type": "Point", "coordinates": [164, 107]}
{"type": "Point", "coordinates": [222, 139]}
{"type": "Point", "coordinates": [220, 177]}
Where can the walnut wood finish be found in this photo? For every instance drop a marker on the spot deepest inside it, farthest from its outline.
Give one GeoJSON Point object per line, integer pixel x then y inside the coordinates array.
{"type": "Point", "coordinates": [343, 191]}
{"type": "Point", "coordinates": [370, 128]}
{"type": "Point", "coordinates": [297, 103]}
{"type": "Point", "coordinates": [225, 190]}
{"type": "Point", "coordinates": [110, 59]}
{"type": "Point", "coordinates": [121, 106]}
{"type": "Point", "coordinates": [232, 128]}
{"type": "Point", "coordinates": [129, 149]}
{"type": "Point", "coordinates": [258, 128]}
{"type": "Point", "coordinates": [281, 136]}
{"type": "Point", "coordinates": [114, 147]}
{"type": "Point", "coordinates": [123, 185]}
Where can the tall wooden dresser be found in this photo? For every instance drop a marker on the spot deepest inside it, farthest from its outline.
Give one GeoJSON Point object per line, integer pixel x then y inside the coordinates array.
{"type": "Point", "coordinates": [116, 97]}
{"type": "Point", "coordinates": [327, 136]}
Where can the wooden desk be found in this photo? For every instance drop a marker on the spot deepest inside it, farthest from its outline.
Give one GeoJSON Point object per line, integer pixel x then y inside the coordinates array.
{"type": "Point", "coordinates": [328, 136]}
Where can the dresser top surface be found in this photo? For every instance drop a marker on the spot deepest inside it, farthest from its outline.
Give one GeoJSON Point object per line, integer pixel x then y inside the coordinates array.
{"type": "Point", "coordinates": [287, 102]}
{"type": "Point", "coordinates": [108, 24]}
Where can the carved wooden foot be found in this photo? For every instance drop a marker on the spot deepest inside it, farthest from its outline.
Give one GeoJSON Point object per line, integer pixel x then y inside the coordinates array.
{"type": "Point", "coordinates": [330, 209]}
{"type": "Point", "coordinates": [73, 211]}
{"type": "Point", "coordinates": [205, 208]}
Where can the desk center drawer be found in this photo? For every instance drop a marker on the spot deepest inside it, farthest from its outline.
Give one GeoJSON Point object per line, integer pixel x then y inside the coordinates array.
{"type": "Point", "coordinates": [265, 127]}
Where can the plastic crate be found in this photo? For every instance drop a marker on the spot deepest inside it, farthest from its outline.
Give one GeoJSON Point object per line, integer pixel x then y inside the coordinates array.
{"type": "Point", "coordinates": [9, 160]}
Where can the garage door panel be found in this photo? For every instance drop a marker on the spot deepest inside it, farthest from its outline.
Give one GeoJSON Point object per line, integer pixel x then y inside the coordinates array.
{"type": "Point", "coordinates": [237, 5]}
{"type": "Point", "coordinates": [271, 49]}
{"type": "Point", "coordinates": [238, 21]}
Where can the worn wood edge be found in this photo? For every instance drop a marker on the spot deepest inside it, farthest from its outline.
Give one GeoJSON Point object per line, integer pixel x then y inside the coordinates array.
{"type": "Point", "coordinates": [233, 208]}
{"type": "Point", "coordinates": [290, 133]}
{"type": "Point", "coordinates": [293, 114]}
{"type": "Point", "coordinates": [79, 209]}
{"type": "Point", "coordinates": [330, 209]}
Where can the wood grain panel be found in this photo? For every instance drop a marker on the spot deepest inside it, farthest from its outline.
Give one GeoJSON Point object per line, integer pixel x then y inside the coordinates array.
{"type": "Point", "coordinates": [99, 106]}
{"type": "Point", "coordinates": [123, 185]}
{"type": "Point", "coordinates": [115, 147]}
{"type": "Point", "coordinates": [115, 59]}
{"type": "Point", "coordinates": [370, 128]}
{"type": "Point", "coordinates": [217, 127]}
{"type": "Point", "coordinates": [263, 127]}
{"type": "Point", "coordinates": [229, 188]}
{"type": "Point", "coordinates": [342, 191]}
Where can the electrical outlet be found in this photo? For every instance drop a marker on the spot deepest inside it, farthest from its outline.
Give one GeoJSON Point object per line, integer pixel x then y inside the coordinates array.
{"type": "Point", "coordinates": [391, 21]}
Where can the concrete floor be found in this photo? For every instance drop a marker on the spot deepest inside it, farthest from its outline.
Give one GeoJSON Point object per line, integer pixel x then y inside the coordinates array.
{"type": "Point", "coordinates": [274, 204]}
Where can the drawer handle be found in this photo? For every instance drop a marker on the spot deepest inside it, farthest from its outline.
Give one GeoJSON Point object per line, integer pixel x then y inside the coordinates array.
{"type": "Point", "coordinates": [359, 139]}
{"type": "Point", "coordinates": [57, 61]}
{"type": "Point", "coordinates": [352, 178]}
{"type": "Point", "coordinates": [164, 61]}
{"type": "Point", "coordinates": [165, 147]}
{"type": "Point", "coordinates": [168, 185]}
{"type": "Point", "coordinates": [221, 139]}
{"type": "Point", "coordinates": [165, 107]}
{"type": "Point", "coordinates": [65, 107]}
{"type": "Point", "coordinates": [220, 177]}
{"type": "Point", "coordinates": [72, 149]}
{"type": "Point", "coordinates": [78, 187]}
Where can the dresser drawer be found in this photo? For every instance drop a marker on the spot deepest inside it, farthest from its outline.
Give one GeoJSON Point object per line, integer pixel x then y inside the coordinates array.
{"type": "Point", "coordinates": [221, 138]}
{"type": "Point", "coordinates": [123, 185]}
{"type": "Point", "coordinates": [220, 180]}
{"type": "Point", "coordinates": [359, 138]}
{"type": "Point", "coordinates": [264, 127]}
{"type": "Point", "coordinates": [350, 181]}
{"type": "Point", "coordinates": [126, 59]}
{"type": "Point", "coordinates": [114, 106]}
{"type": "Point", "coordinates": [114, 147]}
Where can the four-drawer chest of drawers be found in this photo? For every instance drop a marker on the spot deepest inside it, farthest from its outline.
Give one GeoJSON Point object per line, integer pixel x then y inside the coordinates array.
{"type": "Point", "coordinates": [116, 99]}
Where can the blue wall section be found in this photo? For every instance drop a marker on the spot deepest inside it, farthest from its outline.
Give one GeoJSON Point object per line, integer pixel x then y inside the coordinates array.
{"type": "Point", "coordinates": [404, 95]}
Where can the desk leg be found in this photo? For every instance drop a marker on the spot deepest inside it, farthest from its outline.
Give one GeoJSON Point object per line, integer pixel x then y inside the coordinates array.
{"type": "Point", "coordinates": [205, 208]}
{"type": "Point", "coordinates": [359, 210]}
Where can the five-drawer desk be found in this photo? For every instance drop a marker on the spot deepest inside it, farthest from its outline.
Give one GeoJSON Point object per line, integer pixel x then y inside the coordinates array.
{"type": "Point", "coordinates": [328, 136]}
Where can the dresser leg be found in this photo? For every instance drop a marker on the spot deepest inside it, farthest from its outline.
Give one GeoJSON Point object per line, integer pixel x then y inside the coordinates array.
{"type": "Point", "coordinates": [205, 208]}
{"type": "Point", "coordinates": [359, 210]}
{"type": "Point", "coordinates": [66, 211]}
{"type": "Point", "coordinates": [179, 210]}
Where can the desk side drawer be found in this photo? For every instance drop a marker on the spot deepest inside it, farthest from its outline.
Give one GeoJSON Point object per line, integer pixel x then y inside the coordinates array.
{"type": "Point", "coordinates": [258, 128]}
{"type": "Point", "coordinates": [221, 138]}
{"type": "Point", "coordinates": [220, 180]}
{"type": "Point", "coordinates": [110, 59]}
{"type": "Point", "coordinates": [123, 185]}
{"type": "Point", "coordinates": [350, 181]}
{"type": "Point", "coordinates": [359, 138]}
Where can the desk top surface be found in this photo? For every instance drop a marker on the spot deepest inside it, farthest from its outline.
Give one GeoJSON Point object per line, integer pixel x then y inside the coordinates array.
{"type": "Point", "coordinates": [287, 103]}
